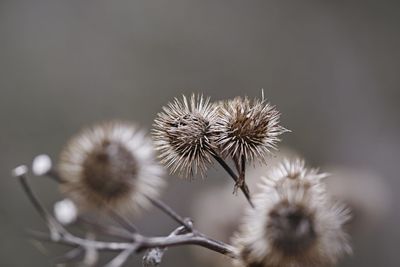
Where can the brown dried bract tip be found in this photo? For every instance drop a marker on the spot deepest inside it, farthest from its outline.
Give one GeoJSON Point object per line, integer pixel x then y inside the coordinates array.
{"type": "Point", "coordinates": [248, 129]}
{"type": "Point", "coordinates": [183, 134]}
{"type": "Point", "coordinates": [294, 222]}
{"type": "Point", "coordinates": [110, 164]}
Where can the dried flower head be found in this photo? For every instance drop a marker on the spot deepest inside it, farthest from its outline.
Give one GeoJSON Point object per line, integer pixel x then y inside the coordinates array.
{"type": "Point", "coordinates": [248, 129]}
{"type": "Point", "coordinates": [183, 134]}
{"type": "Point", "coordinates": [110, 164]}
{"type": "Point", "coordinates": [294, 223]}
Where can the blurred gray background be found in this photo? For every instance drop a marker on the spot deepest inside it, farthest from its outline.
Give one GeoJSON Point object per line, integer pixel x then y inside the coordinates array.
{"type": "Point", "coordinates": [331, 68]}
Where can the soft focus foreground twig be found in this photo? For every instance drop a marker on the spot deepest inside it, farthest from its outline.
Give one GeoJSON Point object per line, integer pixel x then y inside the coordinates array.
{"type": "Point", "coordinates": [183, 235]}
{"type": "Point", "coordinates": [153, 257]}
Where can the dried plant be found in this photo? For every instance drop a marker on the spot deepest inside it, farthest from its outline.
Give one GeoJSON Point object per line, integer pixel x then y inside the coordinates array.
{"type": "Point", "coordinates": [110, 169]}
{"type": "Point", "coordinates": [246, 131]}
{"type": "Point", "coordinates": [183, 133]}
{"type": "Point", "coordinates": [294, 222]}
{"type": "Point", "coordinates": [110, 164]}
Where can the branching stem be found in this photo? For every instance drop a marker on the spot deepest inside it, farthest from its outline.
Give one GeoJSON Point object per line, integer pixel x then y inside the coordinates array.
{"type": "Point", "coordinates": [171, 213]}
{"type": "Point", "coordinates": [185, 234]}
{"type": "Point", "coordinates": [233, 175]}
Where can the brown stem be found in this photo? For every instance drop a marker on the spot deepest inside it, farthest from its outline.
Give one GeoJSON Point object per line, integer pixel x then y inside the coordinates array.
{"type": "Point", "coordinates": [142, 243]}
{"type": "Point", "coordinates": [59, 234]}
{"type": "Point", "coordinates": [122, 220]}
{"type": "Point", "coordinates": [55, 176]}
{"type": "Point", "coordinates": [34, 200]}
{"type": "Point", "coordinates": [232, 174]}
{"type": "Point", "coordinates": [106, 229]}
{"type": "Point", "coordinates": [171, 213]}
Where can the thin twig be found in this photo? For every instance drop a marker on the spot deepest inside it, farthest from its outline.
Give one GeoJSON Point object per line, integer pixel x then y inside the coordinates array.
{"type": "Point", "coordinates": [170, 212]}
{"type": "Point", "coordinates": [121, 258]}
{"type": "Point", "coordinates": [32, 197]}
{"type": "Point", "coordinates": [232, 174]}
{"type": "Point", "coordinates": [122, 220]}
{"type": "Point", "coordinates": [183, 235]}
{"type": "Point", "coordinates": [243, 163]}
{"type": "Point", "coordinates": [107, 229]}
{"type": "Point", "coordinates": [143, 243]}
{"type": "Point", "coordinates": [70, 255]}
{"type": "Point", "coordinates": [188, 239]}
{"type": "Point", "coordinates": [54, 175]}
{"type": "Point", "coordinates": [241, 168]}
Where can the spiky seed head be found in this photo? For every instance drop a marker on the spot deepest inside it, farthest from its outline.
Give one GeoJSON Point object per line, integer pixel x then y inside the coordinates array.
{"type": "Point", "coordinates": [248, 128]}
{"type": "Point", "coordinates": [110, 164]}
{"type": "Point", "coordinates": [294, 223]}
{"type": "Point", "coordinates": [183, 134]}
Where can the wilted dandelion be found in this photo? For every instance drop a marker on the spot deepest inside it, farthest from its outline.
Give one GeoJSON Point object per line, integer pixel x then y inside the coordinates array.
{"type": "Point", "coordinates": [294, 223]}
{"type": "Point", "coordinates": [110, 164]}
{"type": "Point", "coordinates": [184, 134]}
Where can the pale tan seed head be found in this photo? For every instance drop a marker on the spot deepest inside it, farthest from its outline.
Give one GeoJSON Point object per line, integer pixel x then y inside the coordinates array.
{"type": "Point", "coordinates": [248, 129]}
{"type": "Point", "coordinates": [183, 135]}
{"type": "Point", "coordinates": [294, 223]}
{"type": "Point", "coordinates": [110, 164]}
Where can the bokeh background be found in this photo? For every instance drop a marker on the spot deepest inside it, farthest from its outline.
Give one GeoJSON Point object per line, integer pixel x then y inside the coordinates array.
{"type": "Point", "coordinates": [331, 68]}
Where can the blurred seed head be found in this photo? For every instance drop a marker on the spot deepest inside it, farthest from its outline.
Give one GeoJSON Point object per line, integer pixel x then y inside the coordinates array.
{"type": "Point", "coordinates": [110, 164]}
{"type": "Point", "coordinates": [41, 165]}
{"type": "Point", "coordinates": [294, 222]}
{"type": "Point", "coordinates": [248, 128]}
{"type": "Point", "coordinates": [65, 211]}
{"type": "Point", "coordinates": [183, 134]}
{"type": "Point", "coordinates": [19, 171]}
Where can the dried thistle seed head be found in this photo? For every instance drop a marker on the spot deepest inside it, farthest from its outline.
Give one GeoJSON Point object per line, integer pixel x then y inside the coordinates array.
{"type": "Point", "coordinates": [183, 134]}
{"type": "Point", "coordinates": [248, 128]}
{"type": "Point", "coordinates": [294, 222]}
{"type": "Point", "coordinates": [110, 164]}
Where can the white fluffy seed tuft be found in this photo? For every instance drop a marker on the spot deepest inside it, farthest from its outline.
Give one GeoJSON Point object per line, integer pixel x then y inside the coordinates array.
{"type": "Point", "coordinates": [19, 171]}
{"type": "Point", "coordinates": [41, 165]}
{"type": "Point", "coordinates": [65, 211]}
{"type": "Point", "coordinates": [295, 223]}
